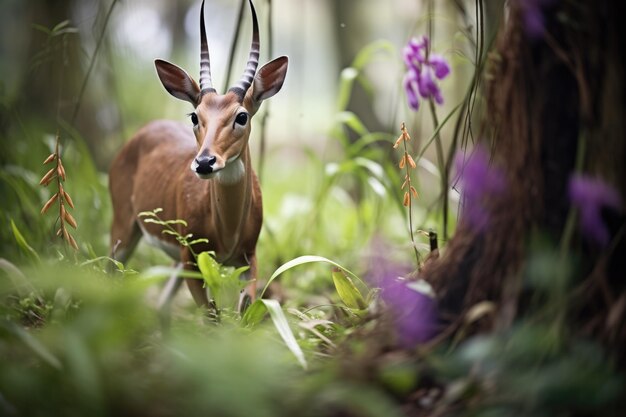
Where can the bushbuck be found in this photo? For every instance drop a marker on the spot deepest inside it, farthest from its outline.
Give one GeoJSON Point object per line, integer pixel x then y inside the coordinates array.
{"type": "Point", "coordinates": [199, 172]}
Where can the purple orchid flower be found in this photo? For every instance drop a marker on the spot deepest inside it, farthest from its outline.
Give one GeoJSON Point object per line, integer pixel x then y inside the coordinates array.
{"type": "Point", "coordinates": [478, 182]}
{"type": "Point", "coordinates": [423, 69]}
{"type": "Point", "coordinates": [414, 313]}
{"type": "Point", "coordinates": [590, 196]}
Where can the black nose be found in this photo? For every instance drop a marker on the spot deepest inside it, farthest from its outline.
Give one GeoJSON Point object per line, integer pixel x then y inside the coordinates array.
{"type": "Point", "coordinates": [205, 164]}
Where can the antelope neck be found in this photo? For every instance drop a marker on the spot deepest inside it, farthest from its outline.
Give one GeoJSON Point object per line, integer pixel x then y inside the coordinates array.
{"type": "Point", "coordinates": [230, 203]}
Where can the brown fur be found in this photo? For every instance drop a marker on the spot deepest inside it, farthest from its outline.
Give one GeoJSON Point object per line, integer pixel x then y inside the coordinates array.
{"type": "Point", "coordinates": [153, 171]}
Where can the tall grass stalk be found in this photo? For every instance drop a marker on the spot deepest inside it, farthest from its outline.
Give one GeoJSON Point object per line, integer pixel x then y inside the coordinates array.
{"type": "Point", "coordinates": [407, 162]}
{"type": "Point", "coordinates": [92, 62]}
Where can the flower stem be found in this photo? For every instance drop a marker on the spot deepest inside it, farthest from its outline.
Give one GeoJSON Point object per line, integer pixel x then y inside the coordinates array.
{"type": "Point", "coordinates": [433, 112]}
{"type": "Point", "coordinates": [410, 206]}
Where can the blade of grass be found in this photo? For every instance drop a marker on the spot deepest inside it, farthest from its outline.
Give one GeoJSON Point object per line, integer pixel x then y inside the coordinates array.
{"type": "Point", "coordinates": [34, 344]}
{"type": "Point", "coordinates": [22, 243]}
{"type": "Point", "coordinates": [301, 260]}
{"type": "Point", "coordinates": [255, 313]}
{"type": "Point", "coordinates": [348, 292]}
{"type": "Point", "coordinates": [281, 324]}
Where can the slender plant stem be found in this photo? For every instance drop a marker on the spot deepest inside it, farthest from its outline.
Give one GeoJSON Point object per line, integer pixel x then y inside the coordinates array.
{"type": "Point", "coordinates": [467, 108]}
{"type": "Point", "coordinates": [266, 115]}
{"type": "Point", "coordinates": [407, 162]}
{"type": "Point", "coordinates": [433, 112]}
{"type": "Point", "coordinates": [233, 45]}
{"type": "Point", "coordinates": [92, 62]}
{"type": "Point", "coordinates": [417, 255]}
{"type": "Point", "coordinates": [570, 223]}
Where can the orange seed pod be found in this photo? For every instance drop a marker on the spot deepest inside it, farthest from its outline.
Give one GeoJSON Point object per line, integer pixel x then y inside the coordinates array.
{"type": "Point", "coordinates": [45, 180]}
{"type": "Point", "coordinates": [49, 203]}
{"type": "Point", "coordinates": [50, 158]}
{"type": "Point", "coordinates": [70, 220]}
{"type": "Point", "coordinates": [68, 199]}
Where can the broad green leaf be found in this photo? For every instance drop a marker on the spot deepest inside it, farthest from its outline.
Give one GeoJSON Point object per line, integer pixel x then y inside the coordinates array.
{"type": "Point", "coordinates": [347, 291]}
{"type": "Point", "coordinates": [22, 242]}
{"type": "Point", "coordinates": [210, 270]}
{"type": "Point", "coordinates": [223, 282]}
{"type": "Point", "coordinates": [282, 325]}
{"type": "Point", "coordinates": [301, 260]}
{"type": "Point", "coordinates": [254, 314]}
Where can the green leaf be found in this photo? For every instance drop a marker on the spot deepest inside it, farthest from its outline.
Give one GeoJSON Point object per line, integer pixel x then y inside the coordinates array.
{"type": "Point", "coordinates": [201, 240]}
{"type": "Point", "coordinates": [148, 213]}
{"type": "Point", "coordinates": [118, 264]}
{"type": "Point", "coordinates": [223, 282]}
{"type": "Point", "coordinates": [348, 75]}
{"type": "Point", "coordinates": [35, 345]}
{"type": "Point", "coordinates": [436, 132]}
{"type": "Point", "coordinates": [41, 28]}
{"type": "Point", "coordinates": [373, 167]}
{"type": "Point", "coordinates": [22, 242]}
{"type": "Point", "coordinates": [282, 325]}
{"type": "Point", "coordinates": [254, 314]}
{"type": "Point", "coordinates": [353, 122]}
{"type": "Point", "coordinates": [210, 270]}
{"type": "Point", "coordinates": [237, 272]}
{"type": "Point", "coordinates": [369, 52]}
{"type": "Point", "coordinates": [177, 221]}
{"type": "Point", "coordinates": [301, 260]}
{"type": "Point", "coordinates": [362, 142]}
{"type": "Point", "coordinates": [21, 284]}
{"type": "Point", "coordinates": [347, 291]}
{"type": "Point", "coordinates": [61, 25]}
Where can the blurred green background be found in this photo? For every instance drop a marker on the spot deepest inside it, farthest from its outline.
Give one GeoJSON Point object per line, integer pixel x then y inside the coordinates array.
{"type": "Point", "coordinates": [85, 69]}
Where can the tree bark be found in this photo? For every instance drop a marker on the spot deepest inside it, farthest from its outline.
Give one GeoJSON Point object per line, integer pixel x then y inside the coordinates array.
{"type": "Point", "coordinates": [546, 93]}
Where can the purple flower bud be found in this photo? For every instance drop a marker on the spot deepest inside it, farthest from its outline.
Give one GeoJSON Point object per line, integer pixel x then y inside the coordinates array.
{"type": "Point", "coordinates": [410, 88]}
{"type": "Point", "coordinates": [478, 182]}
{"type": "Point", "coordinates": [414, 313]}
{"type": "Point", "coordinates": [590, 196]}
{"type": "Point", "coordinates": [440, 65]}
{"type": "Point", "coordinates": [423, 72]}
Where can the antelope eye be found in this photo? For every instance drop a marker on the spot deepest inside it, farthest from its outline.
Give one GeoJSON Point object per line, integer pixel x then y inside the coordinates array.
{"type": "Point", "coordinates": [241, 119]}
{"type": "Point", "coordinates": [194, 119]}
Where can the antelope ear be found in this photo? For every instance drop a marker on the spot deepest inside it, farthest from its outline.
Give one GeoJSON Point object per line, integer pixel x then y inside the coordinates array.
{"type": "Point", "coordinates": [269, 79]}
{"type": "Point", "coordinates": [177, 82]}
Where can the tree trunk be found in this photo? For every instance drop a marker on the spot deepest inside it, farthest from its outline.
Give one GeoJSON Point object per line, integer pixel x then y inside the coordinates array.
{"type": "Point", "coordinates": [548, 95]}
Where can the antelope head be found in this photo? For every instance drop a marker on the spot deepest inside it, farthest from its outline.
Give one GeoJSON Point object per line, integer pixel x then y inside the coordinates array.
{"type": "Point", "coordinates": [221, 122]}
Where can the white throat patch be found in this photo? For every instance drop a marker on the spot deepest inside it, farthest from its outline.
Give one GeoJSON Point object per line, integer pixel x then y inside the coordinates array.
{"type": "Point", "coordinates": [232, 172]}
